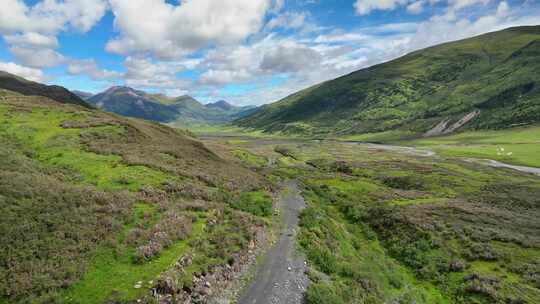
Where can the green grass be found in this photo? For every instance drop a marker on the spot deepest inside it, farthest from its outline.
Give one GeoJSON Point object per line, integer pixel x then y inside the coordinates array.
{"type": "Point", "coordinates": [347, 253]}
{"type": "Point", "coordinates": [522, 143]}
{"type": "Point", "coordinates": [428, 200]}
{"type": "Point", "coordinates": [41, 131]}
{"type": "Point", "coordinates": [385, 136]}
{"type": "Point", "coordinates": [249, 158]}
{"type": "Point", "coordinates": [111, 276]}
{"type": "Point", "coordinates": [257, 203]}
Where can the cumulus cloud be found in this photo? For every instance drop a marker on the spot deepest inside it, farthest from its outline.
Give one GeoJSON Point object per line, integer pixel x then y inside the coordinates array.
{"type": "Point", "coordinates": [416, 7]}
{"type": "Point", "coordinates": [223, 77]}
{"type": "Point", "coordinates": [39, 58]}
{"type": "Point", "coordinates": [290, 58]}
{"type": "Point", "coordinates": [364, 7]}
{"type": "Point", "coordinates": [21, 71]}
{"type": "Point", "coordinates": [50, 16]}
{"type": "Point", "coordinates": [288, 20]}
{"type": "Point", "coordinates": [31, 30]}
{"type": "Point", "coordinates": [89, 67]}
{"type": "Point", "coordinates": [171, 31]}
{"type": "Point", "coordinates": [144, 72]}
{"type": "Point", "coordinates": [32, 39]}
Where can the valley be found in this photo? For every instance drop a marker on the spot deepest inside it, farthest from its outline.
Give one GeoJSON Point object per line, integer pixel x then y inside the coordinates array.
{"type": "Point", "coordinates": [388, 225]}
{"type": "Point", "coordinates": [413, 181]}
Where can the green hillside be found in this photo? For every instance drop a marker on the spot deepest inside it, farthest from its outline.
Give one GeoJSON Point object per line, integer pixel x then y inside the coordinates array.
{"type": "Point", "coordinates": [95, 208]}
{"type": "Point", "coordinates": [487, 82]}
{"type": "Point", "coordinates": [25, 87]}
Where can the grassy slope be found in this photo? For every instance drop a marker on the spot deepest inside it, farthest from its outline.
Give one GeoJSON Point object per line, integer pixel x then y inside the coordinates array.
{"type": "Point", "coordinates": [495, 73]}
{"type": "Point", "coordinates": [85, 214]}
{"type": "Point", "coordinates": [385, 227]}
{"type": "Point", "coordinates": [22, 86]}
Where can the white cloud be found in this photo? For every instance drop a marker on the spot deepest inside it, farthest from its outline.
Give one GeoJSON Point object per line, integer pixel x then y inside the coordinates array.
{"type": "Point", "coordinates": [364, 7]}
{"type": "Point", "coordinates": [290, 58]}
{"type": "Point", "coordinates": [31, 30]}
{"type": "Point", "coordinates": [37, 57]}
{"type": "Point", "coordinates": [171, 31]}
{"type": "Point", "coordinates": [416, 7]}
{"type": "Point", "coordinates": [50, 16]}
{"type": "Point", "coordinates": [460, 4]}
{"type": "Point", "coordinates": [21, 71]}
{"type": "Point", "coordinates": [90, 68]}
{"type": "Point", "coordinates": [143, 72]}
{"type": "Point", "coordinates": [288, 20]}
{"type": "Point", "coordinates": [341, 37]}
{"type": "Point", "coordinates": [32, 39]}
{"type": "Point", "coordinates": [223, 77]}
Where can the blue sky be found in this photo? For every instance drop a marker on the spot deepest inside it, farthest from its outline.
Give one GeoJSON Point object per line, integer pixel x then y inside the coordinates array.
{"type": "Point", "coordinates": [244, 51]}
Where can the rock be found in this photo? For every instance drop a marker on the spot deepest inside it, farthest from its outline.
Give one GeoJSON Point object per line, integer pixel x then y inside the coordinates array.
{"type": "Point", "coordinates": [207, 284]}
{"type": "Point", "coordinates": [289, 268]}
{"type": "Point", "coordinates": [457, 265]}
{"type": "Point", "coordinates": [137, 286]}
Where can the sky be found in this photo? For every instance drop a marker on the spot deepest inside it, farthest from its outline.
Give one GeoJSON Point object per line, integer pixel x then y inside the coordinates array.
{"type": "Point", "coordinates": [248, 52]}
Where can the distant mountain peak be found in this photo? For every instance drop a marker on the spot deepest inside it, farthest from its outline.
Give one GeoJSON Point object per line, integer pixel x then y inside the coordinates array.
{"type": "Point", "coordinates": [222, 104]}
{"type": "Point", "coordinates": [82, 94]}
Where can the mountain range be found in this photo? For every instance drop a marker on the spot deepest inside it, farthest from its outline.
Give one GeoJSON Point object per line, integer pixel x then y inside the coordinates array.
{"type": "Point", "coordinates": [182, 110]}
{"type": "Point", "coordinates": [487, 82]}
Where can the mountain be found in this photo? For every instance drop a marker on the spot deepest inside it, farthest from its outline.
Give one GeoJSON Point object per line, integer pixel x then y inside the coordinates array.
{"type": "Point", "coordinates": [182, 110]}
{"type": "Point", "coordinates": [83, 191]}
{"type": "Point", "coordinates": [486, 82]}
{"type": "Point", "coordinates": [26, 87]}
{"type": "Point", "coordinates": [83, 95]}
{"type": "Point", "coordinates": [234, 112]}
{"type": "Point", "coordinates": [221, 104]}
{"type": "Point", "coordinates": [133, 103]}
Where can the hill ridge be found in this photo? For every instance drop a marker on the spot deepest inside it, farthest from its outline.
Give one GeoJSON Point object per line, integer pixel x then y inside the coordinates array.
{"type": "Point", "coordinates": [416, 92]}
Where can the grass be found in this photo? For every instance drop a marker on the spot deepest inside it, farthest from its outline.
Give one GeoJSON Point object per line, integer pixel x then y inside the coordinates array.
{"type": "Point", "coordinates": [521, 145]}
{"type": "Point", "coordinates": [109, 276]}
{"type": "Point", "coordinates": [355, 265]}
{"type": "Point", "coordinates": [250, 159]}
{"type": "Point", "coordinates": [257, 203]}
{"type": "Point", "coordinates": [93, 203]}
{"type": "Point", "coordinates": [385, 136]}
{"type": "Point", "coordinates": [41, 131]}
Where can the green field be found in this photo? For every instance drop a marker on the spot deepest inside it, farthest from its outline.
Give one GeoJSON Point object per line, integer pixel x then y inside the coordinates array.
{"type": "Point", "coordinates": [519, 146]}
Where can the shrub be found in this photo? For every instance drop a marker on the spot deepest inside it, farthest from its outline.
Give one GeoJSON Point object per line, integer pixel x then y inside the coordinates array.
{"type": "Point", "coordinates": [257, 203]}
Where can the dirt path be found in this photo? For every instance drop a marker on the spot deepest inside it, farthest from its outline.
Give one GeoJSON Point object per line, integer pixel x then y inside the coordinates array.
{"type": "Point", "coordinates": [281, 278]}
